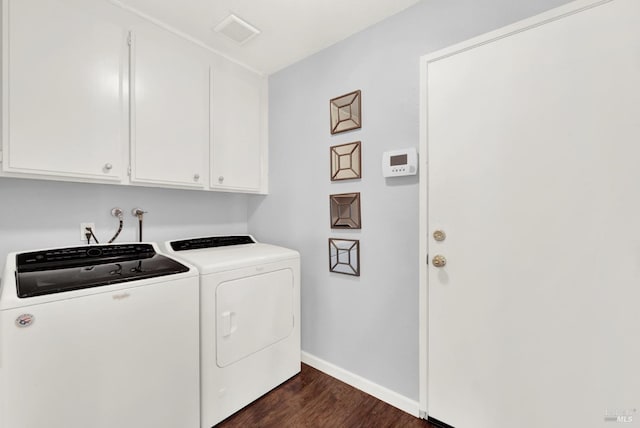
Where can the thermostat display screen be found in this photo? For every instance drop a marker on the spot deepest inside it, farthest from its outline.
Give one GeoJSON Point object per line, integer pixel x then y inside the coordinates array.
{"type": "Point", "coordinates": [399, 160]}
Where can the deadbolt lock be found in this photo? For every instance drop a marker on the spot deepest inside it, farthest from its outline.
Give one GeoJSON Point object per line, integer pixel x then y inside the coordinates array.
{"type": "Point", "coordinates": [439, 261]}
{"type": "Point", "coordinates": [439, 235]}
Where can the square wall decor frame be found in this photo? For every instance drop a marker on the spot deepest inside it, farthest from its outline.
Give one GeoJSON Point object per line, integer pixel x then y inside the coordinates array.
{"type": "Point", "coordinates": [345, 112]}
{"type": "Point", "coordinates": [344, 256]}
{"type": "Point", "coordinates": [346, 161]}
{"type": "Point", "coordinates": [345, 211]}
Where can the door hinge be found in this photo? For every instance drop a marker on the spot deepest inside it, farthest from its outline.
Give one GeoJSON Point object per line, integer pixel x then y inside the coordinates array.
{"type": "Point", "coordinates": [129, 170]}
{"type": "Point", "coordinates": [129, 39]}
{"type": "Point", "coordinates": [0, 156]}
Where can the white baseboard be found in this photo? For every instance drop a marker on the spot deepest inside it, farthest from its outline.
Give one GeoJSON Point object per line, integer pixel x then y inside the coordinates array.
{"type": "Point", "coordinates": [381, 393]}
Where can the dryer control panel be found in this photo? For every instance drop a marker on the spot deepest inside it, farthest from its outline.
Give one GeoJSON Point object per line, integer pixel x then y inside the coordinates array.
{"type": "Point", "coordinates": [211, 242]}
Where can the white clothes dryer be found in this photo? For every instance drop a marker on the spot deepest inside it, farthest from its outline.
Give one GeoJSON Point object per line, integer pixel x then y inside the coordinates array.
{"type": "Point", "coordinates": [249, 319]}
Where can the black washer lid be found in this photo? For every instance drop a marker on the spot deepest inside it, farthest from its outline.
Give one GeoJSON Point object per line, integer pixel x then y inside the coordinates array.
{"type": "Point", "coordinates": [211, 242]}
{"type": "Point", "coordinates": [66, 269]}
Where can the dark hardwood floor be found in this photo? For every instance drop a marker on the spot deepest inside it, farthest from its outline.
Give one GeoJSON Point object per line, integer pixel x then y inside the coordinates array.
{"type": "Point", "coordinates": [313, 399]}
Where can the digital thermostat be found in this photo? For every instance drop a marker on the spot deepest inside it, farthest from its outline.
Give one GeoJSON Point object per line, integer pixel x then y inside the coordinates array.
{"type": "Point", "coordinates": [396, 163]}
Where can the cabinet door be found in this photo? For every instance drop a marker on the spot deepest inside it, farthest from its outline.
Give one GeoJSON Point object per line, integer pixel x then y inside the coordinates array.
{"type": "Point", "coordinates": [63, 107]}
{"type": "Point", "coordinates": [237, 153]}
{"type": "Point", "coordinates": [169, 109]}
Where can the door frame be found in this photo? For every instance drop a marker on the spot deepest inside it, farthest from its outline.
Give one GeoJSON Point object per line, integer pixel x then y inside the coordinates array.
{"type": "Point", "coordinates": [423, 228]}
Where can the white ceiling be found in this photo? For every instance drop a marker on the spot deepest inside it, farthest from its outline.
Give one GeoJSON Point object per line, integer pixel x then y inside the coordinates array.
{"type": "Point", "coordinates": [290, 29]}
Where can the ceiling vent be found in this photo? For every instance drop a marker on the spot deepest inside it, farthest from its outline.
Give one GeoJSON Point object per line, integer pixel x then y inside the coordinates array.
{"type": "Point", "coordinates": [236, 29]}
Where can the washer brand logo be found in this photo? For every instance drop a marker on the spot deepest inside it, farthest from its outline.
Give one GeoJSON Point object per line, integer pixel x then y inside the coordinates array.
{"type": "Point", "coordinates": [25, 320]}
{"type": "Point", "coordinates": [121, 296]}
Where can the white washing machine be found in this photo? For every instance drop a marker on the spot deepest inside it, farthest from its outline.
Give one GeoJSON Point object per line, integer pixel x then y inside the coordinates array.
{"type": "Point", "coordinates": [249, 319]}
{"type": "Point", "coordinates": [99, 336]}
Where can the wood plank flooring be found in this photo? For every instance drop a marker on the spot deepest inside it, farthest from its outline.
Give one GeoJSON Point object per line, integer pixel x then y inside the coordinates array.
{"type": "Point", "coordinates": [313, 399]}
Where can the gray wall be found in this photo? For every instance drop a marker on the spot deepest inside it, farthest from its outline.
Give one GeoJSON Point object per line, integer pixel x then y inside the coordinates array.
{"type": "Point", "coordinates": [366, 325]}
{"type": "Point", "coordinates": [39, 214]}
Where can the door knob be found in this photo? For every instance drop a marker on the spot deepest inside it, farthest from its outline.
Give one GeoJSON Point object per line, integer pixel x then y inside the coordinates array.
{"type": "Point", "coordinates": [439, 261]}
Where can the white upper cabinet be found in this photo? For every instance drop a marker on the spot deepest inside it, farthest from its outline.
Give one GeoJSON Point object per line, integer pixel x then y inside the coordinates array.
{"type": "Point", "coordinates": [238, 152]}
{"type": "Point", "coordinates": [64, 112]}
{"type": "Point", "coordinates": [92, 92]}
{"type": "Point", "coordinates": [170, 109]}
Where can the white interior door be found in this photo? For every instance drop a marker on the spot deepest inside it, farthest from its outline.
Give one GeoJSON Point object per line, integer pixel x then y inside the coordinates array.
{"type": "Point", "coordinates": [533, 173]}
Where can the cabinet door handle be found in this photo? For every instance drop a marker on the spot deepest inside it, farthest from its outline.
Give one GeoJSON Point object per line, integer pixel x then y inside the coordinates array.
{"type": "Point", "coordinates": [107, 167]}
{"type": "Point", "coordinates": [220, 179]}
{"type": "Point", "coordinates": [196, 177]}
